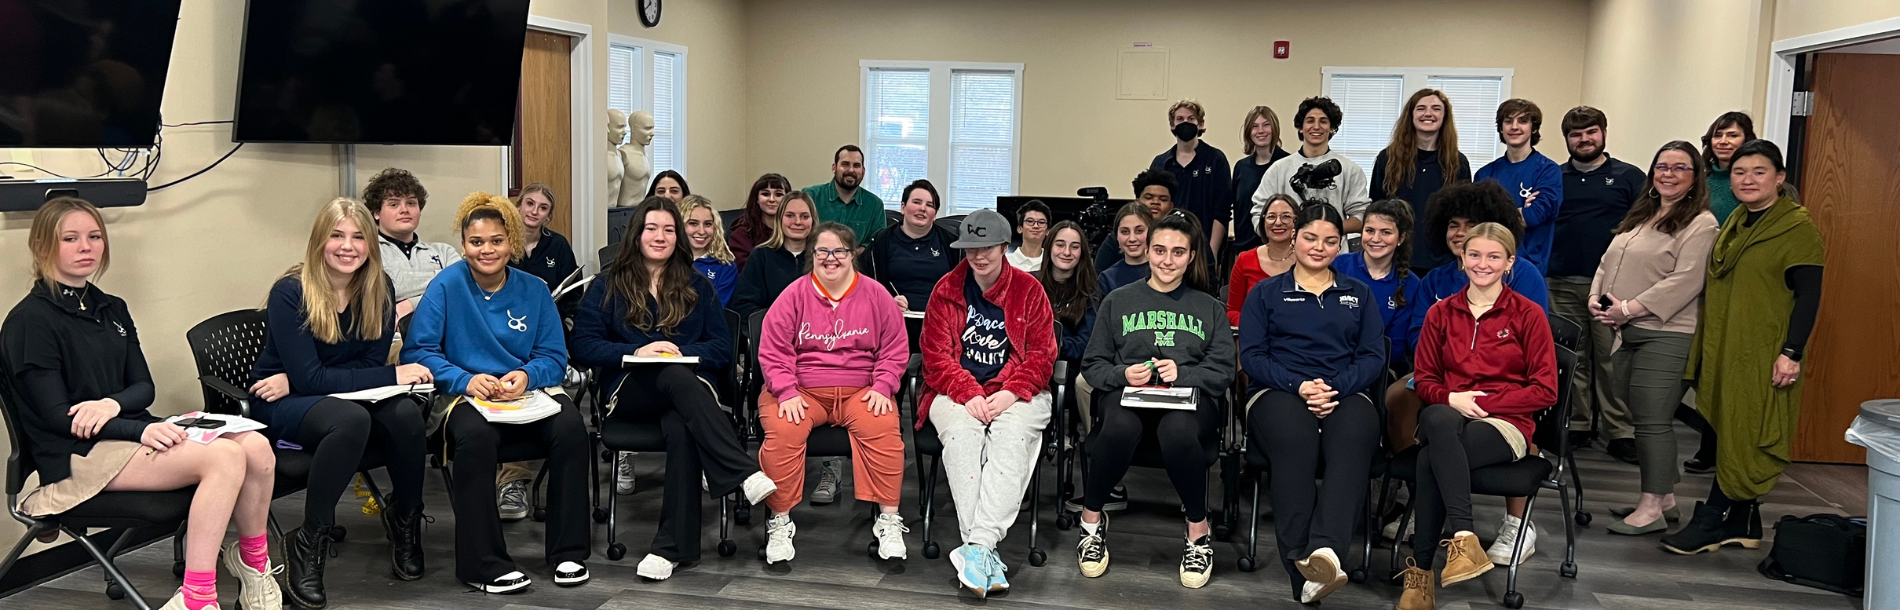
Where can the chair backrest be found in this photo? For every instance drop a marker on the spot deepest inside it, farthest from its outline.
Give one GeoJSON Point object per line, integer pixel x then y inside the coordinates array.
{"type": "Point", "coordinates": [1554, 423]}
{"type": "Point", "coordinates": [1565, 331]}
{"type": "Point", "coordinates": [727, 218]}
{"type": "Point", "coordinates": [225, 347]}
{"type": "Point", "coordinates": [891, 217]}
{"type": "Point", "coordinates": [20, 462]}
{"type": "Point", "coordinates": [953, 224]}
{"type": "Point", "coordinates": [606, 256]}
{"type": "Point", "coordinates": [730, 378]}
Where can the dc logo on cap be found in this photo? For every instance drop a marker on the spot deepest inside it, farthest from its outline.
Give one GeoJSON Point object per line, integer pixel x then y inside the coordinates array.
{"type": "Point", "coordinates": [973, 230]}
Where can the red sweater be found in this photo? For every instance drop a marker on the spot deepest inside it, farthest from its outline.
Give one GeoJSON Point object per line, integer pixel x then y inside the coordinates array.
{"type": "Point", "coordinates": [1030, 326]}
{"type": "Point", "coordinates": [1247, 272]}
{"type": "Point", "coordinates": [1507, 354]}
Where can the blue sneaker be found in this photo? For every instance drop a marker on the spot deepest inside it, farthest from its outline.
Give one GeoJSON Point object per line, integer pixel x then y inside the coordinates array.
{"type": "Point", "coordinates": [973, 568]}
{"type": "Point", "coordinates": [999, 581]}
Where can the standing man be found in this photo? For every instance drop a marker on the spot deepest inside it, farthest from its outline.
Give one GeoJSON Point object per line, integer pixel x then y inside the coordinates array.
{"type": "Point", "coordinates": [841, 200]}
{"type": "Point", "coordinates": [1532, 179]}
{"type": "Point", "coordinates": [1348, 190]}
{"type": "Point", "coordinates": [1201, 174]}
{"type": "Point", "coordinates": [1598, 191]}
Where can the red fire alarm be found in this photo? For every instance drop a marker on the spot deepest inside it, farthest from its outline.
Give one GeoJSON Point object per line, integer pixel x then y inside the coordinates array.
{"type": "Point", "coordinates": [1282, 49]}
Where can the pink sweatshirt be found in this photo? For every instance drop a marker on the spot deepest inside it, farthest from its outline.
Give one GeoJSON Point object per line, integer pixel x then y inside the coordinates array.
{"type": "Point", "coordinates": [809, 343]}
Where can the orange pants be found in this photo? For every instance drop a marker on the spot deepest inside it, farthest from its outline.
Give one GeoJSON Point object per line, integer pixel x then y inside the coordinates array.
{"type": "Point", "coordinates": [877, 445]}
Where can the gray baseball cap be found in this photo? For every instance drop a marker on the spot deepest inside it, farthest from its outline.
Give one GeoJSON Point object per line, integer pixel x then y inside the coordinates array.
{"type": "Point", "coordinates": [982, 229]}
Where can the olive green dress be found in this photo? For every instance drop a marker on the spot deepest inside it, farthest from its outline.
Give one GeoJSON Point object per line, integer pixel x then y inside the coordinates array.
{"type": "Point", "coordinates": [1743, 324]}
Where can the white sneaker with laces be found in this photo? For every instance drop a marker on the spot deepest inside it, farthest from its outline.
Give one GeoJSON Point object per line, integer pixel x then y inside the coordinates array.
{"type": "Point", "coordinates": [778, 539]}
{"type": "Point", "coordinates": [758, 487]}
{"type": "Point", "coordinates": [623, 474]}
{"type": "Point", "coordinates": [1500, 549]}
{"type": "Point", "coordinates": [177, 602]}
{"type": "Point", "coordinates": [656, 567]}
{"type": "Point", "coordinates": [828, 476]}
{"type": "Point", "coordinates": [513, 500]}
{"type": "Point", "coordinates": [256, 589]}
{"type": "Point", "coordinates": [889, 530]}
{"type": "Point", "coordinates": [1391, 530]}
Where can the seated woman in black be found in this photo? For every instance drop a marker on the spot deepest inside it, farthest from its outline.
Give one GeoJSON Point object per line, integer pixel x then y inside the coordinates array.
{"type": "Point", "coordinates": [549, 256]}
{"type": "Point", "coordinates": [84, 390]}
{"type": "Point", "coordinates": [778, 261]}
{"type": "Point", "coordinates": [331, 322]}
{"type": "Point", "coordinates": [650, 303]}
{"type": "Point", "coordinates": [488, 332]}
{"type": "Point", "coordinates": [910, 256]}
{"type": "Point", "coordinates": [1311, 343]}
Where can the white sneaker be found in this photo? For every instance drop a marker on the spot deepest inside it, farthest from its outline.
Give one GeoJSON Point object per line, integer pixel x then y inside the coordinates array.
{"type": "Point", "coordinates": [889, 530]}
{"type": "Point", "coordinates": [256, 589]}
{"type": "Point", "coordinates": [570, 574]}
{"type": "Point", "coordinates": [778, 539]}
{"type": "Point", "coordinates": [513, 500]}
{"type": "Point", "coordinates": [1500, 549]}
{"type": "Point", "coordinates": [623, 474]}
{"type": "Point", "coordinates": [828, 475]}
{"type": "Point", "coordinates": [1320, 568]}
{"type": "Point", "coordinates": [1391, 530]}
{"type": "Point", "coordinates": [757, 487]}
{"type": "Point", "coordinates": [655, 567]}
{"type": "Point", "coordinates": [177, 602]}
{"type": "Point", "coordinates": [512, 582]}
{"type": "Point", "coordinates": [1309, 591]}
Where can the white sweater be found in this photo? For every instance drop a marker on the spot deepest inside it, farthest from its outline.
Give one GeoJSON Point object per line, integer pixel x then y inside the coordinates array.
{"type": "Point", "coordinates": [1350, 192]}
{"type": "Point", "coordinates": [410, 274]}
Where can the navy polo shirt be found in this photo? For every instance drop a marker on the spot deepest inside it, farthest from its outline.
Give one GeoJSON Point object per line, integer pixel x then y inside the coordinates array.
{"type": "Point", "coordinates": [1203, 187]}
{"type": "Point", "coordinates": [1594, 202]}
{"type": "Point", "coordinates": [985, 344]}
{"type": "Point", "coordinates": [916, 265]}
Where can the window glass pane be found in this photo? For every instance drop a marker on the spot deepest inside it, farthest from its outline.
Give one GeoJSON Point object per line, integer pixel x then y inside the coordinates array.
{"type": "Point", "coordinates": [1370, 104]}
{"type": "Point", "coordinates": [623, 78]}
{"type": "Point", "coordinates": [982, 138]}
{"type": "Point", "coordinates": [895, 165]}
{"type": "Point", "coordinates": [1474, 106]}
{"type": "Point", "coordinates": [897, 117]}
{"type": "Point", "coordinates": [666, 103]}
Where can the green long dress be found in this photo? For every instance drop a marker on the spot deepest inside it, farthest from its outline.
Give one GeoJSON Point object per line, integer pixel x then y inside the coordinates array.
{"type": "Point", "coordinates": [1743, 323]}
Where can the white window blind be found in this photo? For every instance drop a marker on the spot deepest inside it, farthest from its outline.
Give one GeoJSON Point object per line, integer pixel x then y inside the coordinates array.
{"type": "Point", "coordinates": [667, 99]}
{"type": "Point", "coordinates": [982, 138]}
{"type": "Point", "coordinates": [1474, 102]}
{"type": "Point", "coordinates": [651, 76]}
{"type": "Point", "coordinates": [623, 78]}
{"type": "Point", "coordinates": [954, 124]}
{"type": "Point", "coordinates": [1373, 99]}
{"type": "Point", "coordinates": [1370, 105]}
{"type": "Point", "coordinates": [897, 121]}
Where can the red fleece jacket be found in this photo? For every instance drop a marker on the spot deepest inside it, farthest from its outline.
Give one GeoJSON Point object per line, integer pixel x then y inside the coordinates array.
{"type": "Point", "coordinates": [1029, 324]}
{"type": "Point", "coordinates": [1507, 354]}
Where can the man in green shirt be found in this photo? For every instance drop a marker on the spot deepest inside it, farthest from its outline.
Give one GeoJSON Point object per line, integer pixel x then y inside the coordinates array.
{"type": "Point", "coordinates": [842, 201]}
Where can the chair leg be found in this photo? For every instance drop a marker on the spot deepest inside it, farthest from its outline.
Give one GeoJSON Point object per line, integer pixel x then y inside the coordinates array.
{"type": "Point", "coordinates": [1576, 481]}
{"type": "Point", "coordinates": [534, 492]}
{"type": "Point", "coordinates": [375, 491]}
{"type": "Point", "coordinates": [1569, 567]}
{"type": "Point", "coordinates": [1405, 518]}
{"type": "Point", "coordinates": [593, 471]}
{"type": "Point", "coordinates": [927, 488]}
{"type": "Point", "coordinates": [178, 550]}
{"type": "Point", "coordinates": [14, 555]}
{"type": "Point", "coordinates": [111, 569]}
{"type": "Point", "coordinates": [1517, 549]}
{"type": "Point", "coordinates": [1036, 556]}
{"type": "Point", "coordinates": [1253, 526]}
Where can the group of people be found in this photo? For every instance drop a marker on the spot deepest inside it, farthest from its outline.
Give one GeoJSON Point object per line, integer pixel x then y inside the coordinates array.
{"type": "Point", "coordinates": [1451, 292]}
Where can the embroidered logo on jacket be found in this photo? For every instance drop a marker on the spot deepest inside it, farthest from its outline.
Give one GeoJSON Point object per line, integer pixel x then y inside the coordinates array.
{"type": "Point", "coordinates": [517, 324]}
{"type": "Point", "coordinates": [1504, 333]}
{"type": "Point", "coordinates": [121, 328]}
{"type": "Point", "coordinates": [1349, 301]}
{"type": "Point", "coordinates": [550, 261]}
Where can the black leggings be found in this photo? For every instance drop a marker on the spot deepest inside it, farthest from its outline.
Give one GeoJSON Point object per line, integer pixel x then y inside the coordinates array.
{"type": "Point", "coordinates": [481, 553]}
{"type": "Point", "coordinates": [1314, 508]}
{"type": "Point", "coordinates": [1452, 445]}
{"type": "Point", "coordinates": [700, 438]}
{"type": "Point", "coordinates": [336, 432]}
{"type": "Point", "coordinates": [1186, 439]}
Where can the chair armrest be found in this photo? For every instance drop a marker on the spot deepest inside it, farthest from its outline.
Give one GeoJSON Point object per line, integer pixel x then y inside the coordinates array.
{"type": "Point", "coordinates": [224, 387]}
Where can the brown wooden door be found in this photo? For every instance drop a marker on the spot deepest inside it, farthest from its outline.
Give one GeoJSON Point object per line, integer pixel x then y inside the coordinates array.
{"type": "Point", "coordinates": [544, 146]}
{"type": "Point", "coordinates": [1851, 184]}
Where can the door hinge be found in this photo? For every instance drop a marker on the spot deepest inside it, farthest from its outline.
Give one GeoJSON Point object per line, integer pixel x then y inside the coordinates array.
{"type": "Point", "coordinates": [1803, 103]}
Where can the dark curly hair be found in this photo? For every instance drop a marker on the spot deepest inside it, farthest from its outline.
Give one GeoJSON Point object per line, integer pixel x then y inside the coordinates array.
{"type": "Point", "coordinates": [1323, 104]}
{"type": "Point", "coordinates": [1155, 177]}
{"type": "Point", "coordinates": [393, 182]}
{"type": "Point", "coordinates": [1477, 202]}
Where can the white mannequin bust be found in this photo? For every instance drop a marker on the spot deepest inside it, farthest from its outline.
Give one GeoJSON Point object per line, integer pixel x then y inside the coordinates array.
{"type": "Point", "coordinates": [635, 171]}
{"type": "Point", "coordinates": [616, 133]}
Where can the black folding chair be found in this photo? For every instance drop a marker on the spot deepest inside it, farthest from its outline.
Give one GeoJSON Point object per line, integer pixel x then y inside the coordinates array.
{"type": "Point", "coordinates": [1565, 331]}
{"type": "Point", "coordinates": [1569, 334]}
{"type": "Point", "coordinates": [953, 224]}
{"type": "Point", "coordinates": [1148, 455]}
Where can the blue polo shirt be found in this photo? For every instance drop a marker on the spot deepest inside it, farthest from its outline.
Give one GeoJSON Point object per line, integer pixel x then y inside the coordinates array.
{"type": "Point", "coordinates": [1202, 186]}
{"type": "Point", "coordinates": [1594, 202]}
{"type": "Point", "coordinates": [1385, 291]}
{"type": "Point", "coordinates": [916, 264]}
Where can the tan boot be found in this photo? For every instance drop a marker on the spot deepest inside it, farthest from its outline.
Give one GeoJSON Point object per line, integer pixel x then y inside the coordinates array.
{"type": "Point", "coordinates": [1464, 558]}
{"type": "Point", "coordinates": [1420, 592]}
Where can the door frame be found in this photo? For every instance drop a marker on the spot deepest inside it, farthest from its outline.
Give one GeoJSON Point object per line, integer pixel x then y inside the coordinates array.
{"type": "Point", "coordinates": [1781, 74]}
{"type": "Point", "coordinates": [583, 202]}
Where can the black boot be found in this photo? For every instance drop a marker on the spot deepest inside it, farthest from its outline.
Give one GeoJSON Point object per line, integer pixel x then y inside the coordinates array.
{"type": "Point", "coordinates": [1743, 525]}
{"type": "Point", "coordinates": [303, 583]}
{"type": "Point", "coordinates": [403, 525]}
{"type": "Point", "coordinates": [1703, 534]}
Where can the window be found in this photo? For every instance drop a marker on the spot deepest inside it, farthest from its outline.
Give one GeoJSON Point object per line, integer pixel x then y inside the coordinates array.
{"type": "Point", "coordinates": [651, 76]}
{"type": "Point", "coordinates": [1373, 99]}
{"type": "Point", "coordinates": [954, 124]}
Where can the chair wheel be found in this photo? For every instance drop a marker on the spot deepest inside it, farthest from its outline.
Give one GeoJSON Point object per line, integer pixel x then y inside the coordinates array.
{"type": "Point", "coordinates": [1065, 522]}
{"type": "Point", "coordinates": [1221, 532]}
{"type": "Point", "coordinates": [1358, 575]}
{"type": "Point", "coordinates": [761, 552]}
{"type": "Point", "coordinates": [727, 548]}
{"type": "Point", "coordinates": [607, 455]}
{"type": "Point", "coordinates": [540, 515]}
{"type": "Point", "coordinates": [1037, 558]}
{"type": "Point", "coordinates": [871, 549]}
{"type": "Point", "coordinates": [1514, 600]}
{"type": "Point", "coordinates": [1583, 519]}
{"type": "Point", "coordinates": [931, 550]}
{"type": "Point", "coordinates": [114, 591]}
{"type": "Point", "coordinates": [338, 533]}
{"type": "Point", "coordinates": [616, 551]}
{"type": "Point", "coordinates": [178, 569]}
{"type": "Point", "coordinates": [600, 515]}
{"type": "Point", "coordinates": [1568, 570]}
{"type": "Point", "coordinates": [1245, 564]}
{"type": "Point", "coordinates": [742, 515]}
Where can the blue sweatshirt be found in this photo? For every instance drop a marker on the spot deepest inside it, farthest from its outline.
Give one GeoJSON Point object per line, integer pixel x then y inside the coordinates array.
{"type": "Point", "coordinates": [1397, 318]}
{"type": "Point", "coordinates": [602, 335]}
{"type": "Point", "coordinates": [1120, 274]}
{"type": "Point", "coordinates": [1071, 341]}
{"type": "Point", "coordinates": [458, 331]}
{"type": "Point", "coordinates": [1535, 174]}
{"type": "Point", "coordinates": [724, 276]}
{"type": "Point", "coordinates": [1289, 336]}
{"type": "Point", "coordinates": [1449, 279]}
{"type": "Point", "coordinates": [315, 369]}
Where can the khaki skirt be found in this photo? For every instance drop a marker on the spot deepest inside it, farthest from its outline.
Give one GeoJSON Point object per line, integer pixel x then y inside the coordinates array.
{"type": "Point", "coordinates": [91, 473]}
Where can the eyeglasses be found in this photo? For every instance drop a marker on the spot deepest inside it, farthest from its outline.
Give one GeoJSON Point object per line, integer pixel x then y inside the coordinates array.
{"type": "Point", "coordinates": [1035, 223]}
{"type": "Point", "coordinates": [827, 253]}
{"type": "Point", "coordinates": [1673, 169]}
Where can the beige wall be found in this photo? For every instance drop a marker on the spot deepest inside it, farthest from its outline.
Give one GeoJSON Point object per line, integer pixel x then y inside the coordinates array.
{"type": "Point", "coordinates": [804, 75]}
{"type": "Point", "coordinates": [1804, 17]}
{"type": "Point", "coordinates": [1662, 71]}
{"type": "Point", "coordinates": [714, 34]}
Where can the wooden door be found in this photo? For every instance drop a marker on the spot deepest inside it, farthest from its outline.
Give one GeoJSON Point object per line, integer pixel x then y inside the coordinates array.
{"type": "Point", "coordinates": [1851, 185]}
{"type": "Point", "coordinates": [544, 149]}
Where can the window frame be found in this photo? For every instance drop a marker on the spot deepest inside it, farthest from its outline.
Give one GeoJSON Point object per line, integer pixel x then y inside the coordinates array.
{"type": "Point", "coordinates": [643, 95]}
{"type": "Point", "coordinates": [937, 147]}
{"type": "Point", "coordinates": [1415, 78]}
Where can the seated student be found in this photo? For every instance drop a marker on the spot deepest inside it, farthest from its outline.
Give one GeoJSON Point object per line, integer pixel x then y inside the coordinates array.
{"type": "Point", "coordinates": [649, 302]}
{"type": "Point", "coordinates": [1131, 239]}
{"type": "Point", "coordinates": [1275, 223]}
{"type": "Point", "coordinates": [331, 324]}
{"type": "Point", "coordinates": [778, 261]}
{"type": "Point", "coordinates": [84, 393]}
{"type": "Point", "coordinates": [396, 198]}
{"type": "Point", "coordinates": [549, 255]}
{"type": "Point", "coordinates": [760, 218]}
{"type": "Point", "coordinates": [988, 351]}
{"type": "Point", "coordinates": [1383, 263]}
{"type": "Point", "coordinates": [1312, 346]}
{"type": "Point", "coordinates": [1483, 393]}
{"type": "Point", "coordinates": [1163, 331]}
{"type": "Point", "coordinates": [490, 332]}
{"type": "Point", "coordinates": [669, 184]}
{"type": "Point", "coordinates": [1069, 278]}
{"type": "Point", "coordinates": [1032, 223]}
{"type": "Point", "coordinates": [705, 240]}
{"type": "Point", "coordinates": [833, 352]}
{"type": "Point", "coordinates": [909, 257]}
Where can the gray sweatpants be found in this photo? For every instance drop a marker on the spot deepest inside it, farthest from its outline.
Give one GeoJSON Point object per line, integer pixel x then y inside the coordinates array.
{"type": "Point", "coordinates": [989, 466]}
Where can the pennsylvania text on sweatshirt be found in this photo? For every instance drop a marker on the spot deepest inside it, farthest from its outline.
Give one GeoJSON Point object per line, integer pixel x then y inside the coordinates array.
{"type": "Point", "coordinates": [1535, 174]}
{"type": "Point", "coordinates": [459, 331]}
{"type": "Point", "coordinates": [1138, 323]}
{"type": "Point", "coordinates": [810, 342]}
{"type": "Point", "coordinates": [602, 336]}
{"type": "Point", "coordinates": [315, 369]}
{"type": "Point", "coordinates": [1507, 353]}
{"type": "Point", "coordinates": [1385, 297]}
{"type": "Point", "coordinates": [1289, 336]}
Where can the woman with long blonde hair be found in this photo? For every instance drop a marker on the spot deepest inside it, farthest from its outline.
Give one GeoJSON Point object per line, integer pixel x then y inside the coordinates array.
{"type": "Point", "coordinates": [332, 319]}
{"type": "Point", "coordinates": [1422, 158]}
{"type": "Point", "coordinates": [705, 240]}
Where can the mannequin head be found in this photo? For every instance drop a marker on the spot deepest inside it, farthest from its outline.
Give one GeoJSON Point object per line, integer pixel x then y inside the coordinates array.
{"type": "Point", "coordinates": [616, 127]}
{"type": "Point", "coordinates": [640, 123]}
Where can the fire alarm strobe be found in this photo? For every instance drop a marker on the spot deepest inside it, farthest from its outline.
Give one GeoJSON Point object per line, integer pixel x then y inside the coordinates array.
{"type": "Point", "coordinates": [1282, 49]}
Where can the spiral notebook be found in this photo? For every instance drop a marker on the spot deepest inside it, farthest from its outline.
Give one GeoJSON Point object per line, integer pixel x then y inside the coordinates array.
{"type": "Point", "coordinates": [1155, 397]}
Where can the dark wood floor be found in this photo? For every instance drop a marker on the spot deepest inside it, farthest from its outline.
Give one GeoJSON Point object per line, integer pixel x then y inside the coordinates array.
{"type": "Point", "coordinates": [832, 570]}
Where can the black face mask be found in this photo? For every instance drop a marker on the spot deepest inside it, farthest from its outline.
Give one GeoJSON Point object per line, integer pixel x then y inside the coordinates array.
{"type": "Point", "coordinates": [1186, 131]}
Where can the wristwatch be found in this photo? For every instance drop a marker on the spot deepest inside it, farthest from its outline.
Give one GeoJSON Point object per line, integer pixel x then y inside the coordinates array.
{"type": "Point", "coordinates": [1791, 353]}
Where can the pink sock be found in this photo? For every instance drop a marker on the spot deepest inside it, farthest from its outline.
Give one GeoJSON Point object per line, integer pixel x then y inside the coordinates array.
{"type": "Point", "coordinates": [201, 589]}
{"type": "Point", "coordinates": [255, 551]}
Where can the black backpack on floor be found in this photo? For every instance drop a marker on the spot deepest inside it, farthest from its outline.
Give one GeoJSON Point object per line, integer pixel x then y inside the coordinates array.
{"type": "Point", "coordinates": [1822, 551]}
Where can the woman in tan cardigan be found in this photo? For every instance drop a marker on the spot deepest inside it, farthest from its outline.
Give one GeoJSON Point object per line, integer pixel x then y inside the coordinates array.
{"type": "Point", "coordinates": [1648, 286]}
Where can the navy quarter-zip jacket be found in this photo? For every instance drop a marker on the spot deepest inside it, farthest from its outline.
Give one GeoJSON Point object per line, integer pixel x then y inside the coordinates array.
{"type": "Point", "coordinates": [1289, 336]}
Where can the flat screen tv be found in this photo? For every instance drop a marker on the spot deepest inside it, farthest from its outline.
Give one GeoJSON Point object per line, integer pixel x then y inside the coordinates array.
{"type": "Point", "coordinates": [83, 74]}
{"type": "Point", "coordinates": [381, 71]}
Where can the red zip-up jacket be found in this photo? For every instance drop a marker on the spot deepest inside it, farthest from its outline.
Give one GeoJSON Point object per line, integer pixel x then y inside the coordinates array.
{"type": "Point", "coordinates": [1029, 324]}
{"type": "Point", "coordinates": [1507, 354]}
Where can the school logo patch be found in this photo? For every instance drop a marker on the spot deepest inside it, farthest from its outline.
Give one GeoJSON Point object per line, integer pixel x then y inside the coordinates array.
{"type": "Point", "coordinates": [120, 327]}
{"type": "Point", "coordinates": [517, 324]}
{"type": "Point", "coordinates": [1349, 301]}
{"type": "Point", "coordinates": [1392, 302]}
{"type": "Point", "coordinates": [1164, 339]}
{"type": "Point", "coordinates": [1609, 182]}
{"type": "Point", "coordinates": [934, 253]}
{"type": "Point", "coordinates": [550, 262]}
{"type": "Point", "coordinates": [1504, 334]}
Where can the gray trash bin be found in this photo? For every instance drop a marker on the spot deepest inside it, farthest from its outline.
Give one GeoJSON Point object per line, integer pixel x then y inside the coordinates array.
{"type": "Point", "coordinates": [1878, 429]}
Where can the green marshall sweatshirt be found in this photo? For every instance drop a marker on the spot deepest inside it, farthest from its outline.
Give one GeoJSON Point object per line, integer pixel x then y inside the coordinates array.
{"type": "Point", "coordinates": [1138, 322]}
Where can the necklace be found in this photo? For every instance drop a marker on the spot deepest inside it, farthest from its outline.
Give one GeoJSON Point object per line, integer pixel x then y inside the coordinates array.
{"type": "Point", "coordinates": [1271, 257]}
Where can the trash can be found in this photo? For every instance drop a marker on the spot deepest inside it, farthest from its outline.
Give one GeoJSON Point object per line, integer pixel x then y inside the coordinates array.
{"type": "Point", "coordinates": [1878, 429]}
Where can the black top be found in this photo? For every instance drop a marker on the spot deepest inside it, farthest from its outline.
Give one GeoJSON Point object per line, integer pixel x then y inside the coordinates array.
{"type": "Point", "coordinates": [1203, 188]}
{"type": "Point", "coordinates": [1594, 202]}
{"type": "Point", "coordinates": [552, 259]}
{"type": "Point", "coordinates": [316, 369]}
{"type": "Point", "coordinates": [408, 247]}
{"type": "Point", "coordinates": [1247, 175]}
{"type": "Point", "coordinates": [61, 355]}
{"type": "Point", "coordinates": [768, 273]}
{"type": "Point", "coordinates": [1428, 176]}
{"type": "Point", "coordinates": [910, 267]}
